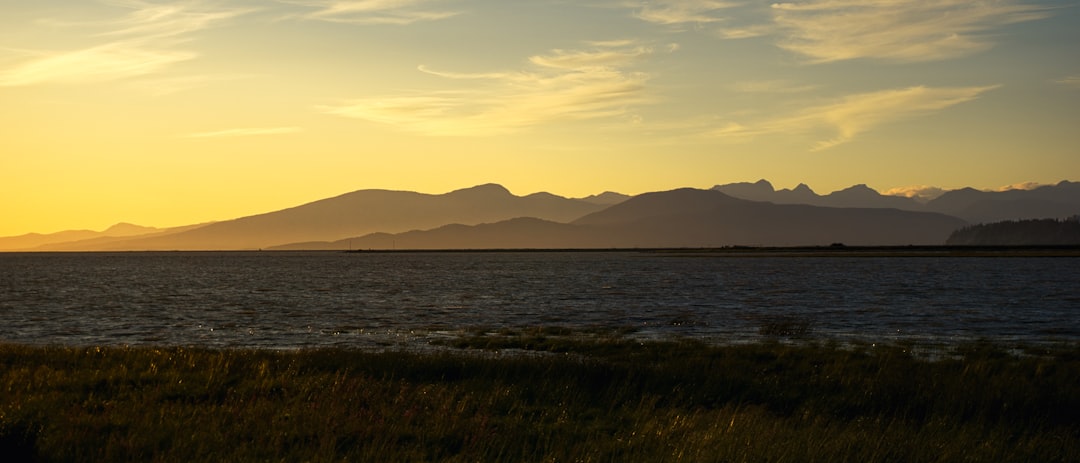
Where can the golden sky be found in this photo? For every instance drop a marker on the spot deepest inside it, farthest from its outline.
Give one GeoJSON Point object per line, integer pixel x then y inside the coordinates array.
{"type": "Point", "coordinates": [167, 113]}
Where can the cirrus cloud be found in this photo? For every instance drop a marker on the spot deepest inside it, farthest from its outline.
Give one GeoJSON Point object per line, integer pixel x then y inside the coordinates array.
{"type": "Point", "coordinates": [1071, 81]}
{"type": "Point", "coordinates": [669, 12]}
{"type": "Point", "coordinates": [111, 61]}
{"type": "Point", "coordinates": [144, 41]}
{"type": "Point", "coordinates": [856, 114]}
{"type": "Point", "coordinates": [368, 12]}
{"type": "Point", "coordinates": [895, 30]}
{"type": "Point", "coordinates": [561, 85]}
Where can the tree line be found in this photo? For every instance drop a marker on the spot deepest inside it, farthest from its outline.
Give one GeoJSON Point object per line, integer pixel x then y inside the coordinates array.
{"type": "Point", "coordinates": [1044, 232]}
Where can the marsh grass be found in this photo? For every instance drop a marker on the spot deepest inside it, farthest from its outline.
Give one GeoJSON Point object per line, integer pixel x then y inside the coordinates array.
{"type": "Point", "coordinates": [587, 398]}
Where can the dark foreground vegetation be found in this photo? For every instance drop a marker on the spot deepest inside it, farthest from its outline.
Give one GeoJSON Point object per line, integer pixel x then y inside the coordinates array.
{"type": "Point", "coordinates": [1036, 232]}
{"type": "Point", "coordinates": [585, 399]}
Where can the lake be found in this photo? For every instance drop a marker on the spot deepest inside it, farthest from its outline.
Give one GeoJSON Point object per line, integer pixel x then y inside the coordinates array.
{"type": "Point", "coordinates": [286, 300]}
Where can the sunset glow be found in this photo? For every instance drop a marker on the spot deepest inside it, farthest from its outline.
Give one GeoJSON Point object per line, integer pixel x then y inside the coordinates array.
{"type": "Point", "coordinates": [168, 113]}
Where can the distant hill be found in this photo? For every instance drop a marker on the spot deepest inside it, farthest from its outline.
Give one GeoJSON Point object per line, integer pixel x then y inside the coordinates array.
{"type": "Point", "coordinates": [363, 212]}
{"type": "Point", "coordinates": [33, 240]}
{"type": "Point", "coordinates": [678, 218]}
{"type": "Point", "coordinates": [689, 217]}
{"type": "Point", "coordinates": [1045, 202]}
{"type": "Point", "coordinates": [82, 239]}
{"type": "Point", "coordinates": [108, 242]}
{"type": "Point", "coordinates": [855, 196]}
{"type": "Point", "coordinates": [975, 206]}
{"type": "Point", "coordinates": [489, 216]}
{"type": "Point", "coordinates": [1039, 232]}
{"type": "Point", "coordinates": [606, 198]}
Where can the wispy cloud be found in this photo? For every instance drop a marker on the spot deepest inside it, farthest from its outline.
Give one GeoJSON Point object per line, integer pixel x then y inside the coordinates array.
{"type": "Point", "coordinates": [771, 86]}
{"type": "Point", "coordinates": [1018, 186]}
{"type": "Point", "coordinates": [111, 61]}
{"type": "Point", "coordinates": [746, 32]}
{"type": "Point", "coordinates": [671, 12]}
{"type": "Point", "coordinates": [560, 85]}
{"type": "Point", "coordinates": [919, 192]}
{"type": "Point", "coordinates": [857, 114]}
{"type": "Point", "coordinates": [246, 132]}
{"type": "Point", "coordinates": [395, 12]}
{"type": "Point", "coordinates": [144, 41]}
{"type": "Point", "coordinates": [897, 30]}
{"type": "Point", "coordinates": [1071, 81]}
{"type": "Point", "coordinates": [149, 20]}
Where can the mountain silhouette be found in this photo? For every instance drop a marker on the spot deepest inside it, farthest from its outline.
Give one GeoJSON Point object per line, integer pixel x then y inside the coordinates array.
{"type": "Point", "coordinates": [975, 206]}
{"type": "Point", "coordinates": [1045, 202]}
{"type": "Point", "coordinates": [678, 218]}
{"type": "Point", "coordinates": [689, 217]}
{"type": "Point", "coordinates": [363, 212]}
{"type": "Point", "coordinates": [854, 196]}
{"type": "Point", "coordinates": [74, 240]}
{"type": "Point", "coordinates": [34, 240]}
{"type": "Point", "coordinates": [607, 198]}
{"type": "Point", "coordinates": [489, 216]}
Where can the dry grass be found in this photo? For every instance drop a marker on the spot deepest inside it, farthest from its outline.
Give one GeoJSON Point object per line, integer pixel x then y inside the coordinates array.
{"type": "Point", "coordinates": [596, 399]}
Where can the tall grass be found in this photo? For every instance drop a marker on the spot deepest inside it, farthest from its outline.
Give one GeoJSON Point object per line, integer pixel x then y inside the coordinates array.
{"type": "Point", "coordinates": [609, 399]}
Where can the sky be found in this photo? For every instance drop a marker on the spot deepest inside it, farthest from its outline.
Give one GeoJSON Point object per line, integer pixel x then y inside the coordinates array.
{"type": "Point", "coordinates": [167, 113]}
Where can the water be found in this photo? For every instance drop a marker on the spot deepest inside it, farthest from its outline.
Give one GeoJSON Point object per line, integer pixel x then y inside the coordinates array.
{"type": "Point", "coordinates": [392, 300]}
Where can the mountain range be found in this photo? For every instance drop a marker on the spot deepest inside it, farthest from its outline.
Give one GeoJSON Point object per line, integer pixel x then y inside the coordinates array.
{"type": "Point", "coordinates": [489, 216]}
{"type": "Point", "coordinates": [974, 206]}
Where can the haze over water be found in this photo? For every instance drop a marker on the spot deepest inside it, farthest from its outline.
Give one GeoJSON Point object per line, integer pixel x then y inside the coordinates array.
{"type": "Point", "coordinates": [391, 300]}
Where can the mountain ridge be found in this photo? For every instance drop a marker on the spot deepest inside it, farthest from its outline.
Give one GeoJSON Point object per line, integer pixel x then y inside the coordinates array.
{"type": "Point", "coordinates": [976, 206]}
{"type": "Point", "coordinates": [330, 222]}
{"type": "Point", "coordinates": [683, 217]}
{"type": "Point", "coordinates": [357, 212]}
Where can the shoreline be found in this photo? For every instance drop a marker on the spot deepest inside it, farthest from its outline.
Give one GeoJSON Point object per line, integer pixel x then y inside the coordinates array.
{"type": "Point", "coordinates": [726, 251]}
{"type": "Point", "coordinates": [782, 251]}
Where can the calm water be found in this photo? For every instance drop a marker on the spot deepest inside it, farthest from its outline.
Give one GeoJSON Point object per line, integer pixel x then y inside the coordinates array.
{"type": "Point", "coordinates": [289, 300]}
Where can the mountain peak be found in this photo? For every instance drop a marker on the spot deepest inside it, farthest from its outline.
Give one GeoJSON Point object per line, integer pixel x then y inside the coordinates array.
{"type": "Point", "coordinates": [127, 229]}
{"type": "Point", "coordinates": [607, 198]}
{"type": "Point", "coordinates": [484, 189]}
{"type": "Point", "coordinates": [760, 190]}
{"type": "Point", "coordinates": [860, 190]}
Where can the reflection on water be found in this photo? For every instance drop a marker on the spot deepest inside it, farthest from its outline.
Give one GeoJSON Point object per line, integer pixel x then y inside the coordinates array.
{"type": "Point", "coordinates": [289, 300]}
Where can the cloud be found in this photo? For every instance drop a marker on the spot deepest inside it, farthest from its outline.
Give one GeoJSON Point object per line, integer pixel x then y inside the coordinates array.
{"type": "Point", "coordinates": [591, 59]}
{"type": "Point", "coordinates": [856, 114]}
{"type": "Point", "coordinates": [670, 12]}
{"type": "Point", "coordinates": [153, 20]}
{"type": "Point", "coordinates": [1071, 81]}
{"type": "Point", "coordinates": [921, 193]}
{"type": "Point", "coordinates": [1019, 186]}
{"type": "Point", "coordinates": [246, 132]}
{"type": "Point", "coordinates": [393, 12]}
{"type": "Point", "coordinates": [896, 30]}
{"type": "Point", "coordinates": [462, 75]}
{"type": "Point", "coordinates": [771, 86]}
{"type": "Point", "coordinates": [144, 42]}
{"type": "Point", "coordinates": [111, 61]}
{"type": "Point", "coordinates": [926, 193]}
{"type": "Point", "coordinates": [560, 85]}
{"type": "Point", "coordinates": [746, 32]}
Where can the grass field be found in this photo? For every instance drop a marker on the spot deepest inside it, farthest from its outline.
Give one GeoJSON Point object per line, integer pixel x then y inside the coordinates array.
{"type": "Point", "coordinates": [542, 395]}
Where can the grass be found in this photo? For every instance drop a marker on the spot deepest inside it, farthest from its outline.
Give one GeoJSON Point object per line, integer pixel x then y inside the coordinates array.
{"type": "Point", "coordinates": [586, 398]}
